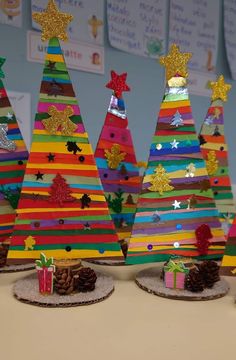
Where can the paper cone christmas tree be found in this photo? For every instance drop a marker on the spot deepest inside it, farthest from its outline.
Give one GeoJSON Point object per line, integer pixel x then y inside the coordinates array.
{"type": "Point", "coordinates": [215, 152]}
{"type": "Point", "coordinates": [13, 155]}
{"type": "Point", "coordinates": [62, 210]}
{"type": "Point", "coordinates": [116, 160]}
{"type": "Point", "coordinates": [228, 265]}
{"type": "Point", "coordinates": [176, 212]}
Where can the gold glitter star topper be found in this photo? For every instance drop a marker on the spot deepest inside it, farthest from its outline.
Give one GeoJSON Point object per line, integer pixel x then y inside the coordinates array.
{"type": "Point", "coordinates": [53, 22]}
{"type": "Point", "coordinates": [175, 62]}
{"type": "Point", "coordinates": [219, 89]}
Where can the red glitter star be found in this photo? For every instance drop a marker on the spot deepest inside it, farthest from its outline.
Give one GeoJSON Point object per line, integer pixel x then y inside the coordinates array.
{"type": "Point", "coordinates": [118, 83]}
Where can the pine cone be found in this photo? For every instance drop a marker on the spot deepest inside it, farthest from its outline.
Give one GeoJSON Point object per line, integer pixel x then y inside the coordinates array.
{"type": "Point", "coordinates": [194, 281]}
{"type": "Point", "coordinates": [63, 281]}
{"type": "Point", "coordinates": [3, 255]}
{"type": "Point", "coordinates": [209, 270]}
{"type": "Point", "coordinates": [87, 279]}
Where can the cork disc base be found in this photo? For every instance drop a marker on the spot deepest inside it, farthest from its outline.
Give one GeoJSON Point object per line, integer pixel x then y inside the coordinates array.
{"type": "Point", "coordinates": [16, 268]}
{"type": "Point", "coordinates": [26, 290]}
{"type": "Point", "coordinates": [150, 281]}
{"type": "Point", "coordinates": [107, 262]}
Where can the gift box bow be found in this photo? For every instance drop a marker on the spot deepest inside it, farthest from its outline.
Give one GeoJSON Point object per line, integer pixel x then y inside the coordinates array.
{"type": "Point", "coordinates": [175, 267]}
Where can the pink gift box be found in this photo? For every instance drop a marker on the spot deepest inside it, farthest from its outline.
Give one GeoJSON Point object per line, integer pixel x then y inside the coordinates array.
{"type": "Point", "coordinates": [174, 280]}
{"type": "Point", "coordinates": [45, 278]}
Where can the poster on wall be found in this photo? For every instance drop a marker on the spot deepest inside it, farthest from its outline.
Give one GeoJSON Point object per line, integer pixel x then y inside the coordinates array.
{"type": "Point", "coordinates": [138, 27]}
{"type": "Point", "coordinates": [21, 104]}
{"type": "Point", "coordinates": [78, 55]}
{"type": "Point", "coordinates": [194, 26]}
{"type": "Point", "coordinates": [199, 83]}
{"type": "Point", "coordinates": [11, 12]}
{"type": "Point", "coordinates": [230, 34]}
{"type": "Point", "coordinates": [88, 22]}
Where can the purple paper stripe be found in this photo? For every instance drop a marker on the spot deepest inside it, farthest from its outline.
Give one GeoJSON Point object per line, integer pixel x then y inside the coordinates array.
{"type": "Point", "coordinates": [115, 175]}
{"type": "Point", "coordinates": [115, 187]}
{"type": "Point", "coordinates": [172, 229]}
{"type": "Point", "coordinates": [168, 119]}
{"type": "Point", "coordinates": [12, 156]}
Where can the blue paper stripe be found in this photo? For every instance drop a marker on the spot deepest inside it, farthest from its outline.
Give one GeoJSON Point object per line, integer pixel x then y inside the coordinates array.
{"type": "Point", "coordinates": [179, 216]}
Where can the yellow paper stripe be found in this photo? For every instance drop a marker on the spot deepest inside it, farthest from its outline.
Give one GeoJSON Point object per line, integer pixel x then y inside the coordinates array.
{"type": "Point", "coordinates": [175, 104]}
{"type": "Point", "coordinates": [55, 57]}
{"type": "Point", "coordinates": [229, 260]}
{"type": "Point", "coordinates": [214, 146]}
{"type": "Point", "coordinates": [123, 235]}
{"type": "Point", "coordinates": [77, 196]}
{"type": "Point", "coordinates": [177, 175]}
{"type": "Point", "coordinates": [44, 132]}
{"type": "Point", "coordinates": [172, 237]}
{"type": "Point", "coordinates": [60, 166]}
{"type": "Point", "coordinates": [59, 148]}
{"type": "Point", "coordinates": [39, 210]}
{"type": "Point", "coordinates": [61, 254]}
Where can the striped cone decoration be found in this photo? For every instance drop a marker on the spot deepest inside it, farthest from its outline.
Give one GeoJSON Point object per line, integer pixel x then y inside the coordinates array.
{"type": "Point", "coordinates": [176, 212]}
{"type": "Point", "coordinates": [13, 156]}
{"type": "Point", "coordinates": [215, 152]}
{"type": "Point", "coordinates": [62, 211]}
{"type": "Point", "coordinates": [116, 160]}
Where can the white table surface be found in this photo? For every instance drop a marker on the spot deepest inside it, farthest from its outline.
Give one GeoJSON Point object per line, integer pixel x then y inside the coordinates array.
{"type": "Point", "coordinates": [131, 324]}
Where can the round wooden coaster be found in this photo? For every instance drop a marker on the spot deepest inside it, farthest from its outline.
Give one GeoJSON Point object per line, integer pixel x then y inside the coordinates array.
{"type": "Point", "coordinates": [16, 268]}
{"type": "Point", "coordinates": [150, 281]}
{"type": "Point", "coordinates": [26, 290]}
{"type": "Point", "coordinates": [107, 262]}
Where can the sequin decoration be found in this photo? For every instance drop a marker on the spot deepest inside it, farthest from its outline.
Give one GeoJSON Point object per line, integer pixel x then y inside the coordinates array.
{"type": "Point", "coordinates": [175, 62]}
{"type": "Point", "coordinates": [53, 22]}
{"type": "Point", "coordinates": [5, 143]}
{"type": "Point", "coordinates": [114, 157]}
{"type": "Point", "coordinates": [60, 119]}
{"type": "Point", "coordinates": [219, 89]}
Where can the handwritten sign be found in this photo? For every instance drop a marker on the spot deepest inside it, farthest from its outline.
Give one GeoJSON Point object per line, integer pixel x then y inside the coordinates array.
{"type": "Point", "coordinates": [88, 22]}
{"type": "Point", "coordinates": [137, 27]}
{"type": "Point", "coordinates": [78, 55]}
{"type": "Point", "coordinates": [11, 12]}
{"type": "Point", "coordinates": [198, 83]}
{"type": "Point", "coordinates": [21, 104]}
{"type": "Point", "coordinates": [194, 26]}
{"type": "Point", "coordinates": [230, 34]}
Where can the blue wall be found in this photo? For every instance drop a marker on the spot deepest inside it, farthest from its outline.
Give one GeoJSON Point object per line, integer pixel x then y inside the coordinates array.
{"type": "Point", "coordinates": [145, 77]}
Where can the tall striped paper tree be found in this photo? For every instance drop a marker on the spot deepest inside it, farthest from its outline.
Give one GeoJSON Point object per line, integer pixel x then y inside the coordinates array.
{"type": "Point", "coordinates": [215, 152]}
{"type": "Point", "coordinates": [228, 265]}
{"type": "Point", "coordinates": [13, 156]}
{"type": "Point", "coordinates": [176, 212]}
{"type": "Point", "coordinates": [116, 160]}
{"type": "Point", "coordinates": [62, 209]}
